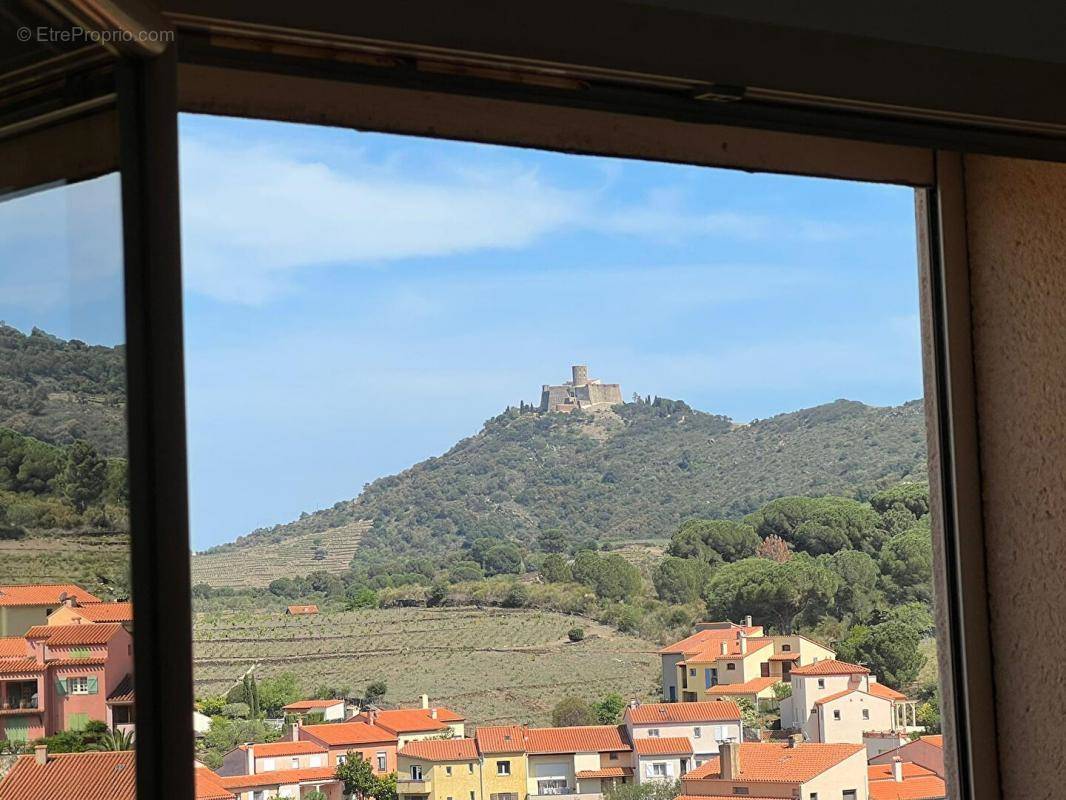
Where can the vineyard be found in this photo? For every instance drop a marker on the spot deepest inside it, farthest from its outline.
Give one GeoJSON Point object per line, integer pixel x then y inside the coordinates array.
{"type": "Point", "coordinates": [256, 566]}
{"type": "Point", "coordinates": [99, 562]}
{"type": "Point", "coordinates": [493, 665]}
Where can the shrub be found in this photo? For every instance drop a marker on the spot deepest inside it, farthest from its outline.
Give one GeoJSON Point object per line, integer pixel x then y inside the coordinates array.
{"type": "Point", "coordinates": [575, 634]}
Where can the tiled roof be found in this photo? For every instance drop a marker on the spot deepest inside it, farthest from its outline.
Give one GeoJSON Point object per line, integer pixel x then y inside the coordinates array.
{"type": "Point", "coordinates": [272, 749]}
{"type": "Point", "coordinates": [76, 663]}
{"type": "Point", "coordinates": [754, 686]}
{"type": "Point", "coordinates": [12, 647]}
{"type": "Point", "coordinates": [606, 772]}
{"type": "Point", "coordinates": [936, 741]}
{"type": "Point", "coordinates": [926, 787]}
{"type": "Point", "coordinates": [698, 640]}
{"type": "Point", "coordinates": [831, 666]}
{"type": "Point", "coordinates": [441, 750]}
{"type": "Point", "coordinates": [306, 705]}
{"type": "Point", "coordinates": [412, 720]}
{"type": "Point", "coordinates": [73, 776]}
{"type": "Point", "coordinates": [835, 696]}
{"type": "Point", "coordinates": [106, 612]}
{"type": "Point", "coordinates": [74, 635]}
{"type": "Point", "coordinates": [883, 772]}
{"type": "Point", "coordinates": [16, 666]}
{"type": "Point", "coordinates": [209, 786]}
{"type": "Point", "coordinates": [887, 692]}
{"type": "Point", "coordinates": [780, 762]}
{"type": "Point", "coordinates": [43, 594]}
{"type": "Point", "coordinates": [276, 777]}
{"type": "Point", "coordinates": [123, 693]}
{"type": "Point", "coordinates": [309, 609]}
{"type": "Point", "coordinates": [577, 739]}
{"type": "Point", "coordinates": [342, 733]}
{"type": "Point", "coordinates": [703, 711]}
{"type": "Point", "coordinates": [713, 651]}
{"type": "Point", "coordinates": [501, 739]}
{"type": "Point", "coordinates": [785, 657]}
{"type": "Point", "coordinates": [663, 746]}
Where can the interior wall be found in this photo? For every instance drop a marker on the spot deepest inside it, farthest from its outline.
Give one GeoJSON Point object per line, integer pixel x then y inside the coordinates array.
{"type": "Point", "coordinates": [1016, 230]}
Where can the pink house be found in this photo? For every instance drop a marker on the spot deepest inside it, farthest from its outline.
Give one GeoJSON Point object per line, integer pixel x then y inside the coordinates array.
{"type": "Point", "coordinates": [371, 742]}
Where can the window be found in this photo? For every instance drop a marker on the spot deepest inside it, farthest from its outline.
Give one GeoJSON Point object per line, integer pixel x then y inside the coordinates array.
{"type": "Point", "coordinates": [697, 732]}
{"type": "Point", "coordinates": [294, 763]}
{"type": "Point", "coordinates": [416, 772]}
{"type": "Point", "coordinates": [730, 665]}
{"type": "Point", "coordinates": [787, 648]}
{"type": "Point", "coordinates": [849, 794]}
{"type": "Point", "coordinates": [658, 769]}
{"type": "Point", "coordinates": [814, 796]}
{"type": "Point", "coordinates": [764, 669]}
{"type": "Point", "coordinates": [341, 759]}
{"type": "Point", "coordinates": [866, 713]}
{"type": "Point", "coordinates": [836, 714]}
{"type": "Point", "coordinates": [382, 762]}
{"type": "Point", "coordinates": [470, 767]}
{"type": "Point", "coordinates": [821, 683]}
{"type": "Point", "coordinates": [653, 732]}
{"type": "Point", "coordinates": [78, 685]}
{"type": "Point", "coordinates": [259, 794]}
{"type": "Point", "coordinates": [473, 794]}
{"type": "Point", "coordinates": [692, 672]}
{"type": "Point", "coordinates": [740, 790]}
{"type": "Point", "coordinates": [613, 756]}
{"type": "Point", "coordinates": [503, 767]}
{"type": "Point", "coordinates": [448, 772]}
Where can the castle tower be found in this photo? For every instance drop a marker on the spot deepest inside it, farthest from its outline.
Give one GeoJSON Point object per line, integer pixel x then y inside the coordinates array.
{"type": "Point", "coordinates": [580, 373]}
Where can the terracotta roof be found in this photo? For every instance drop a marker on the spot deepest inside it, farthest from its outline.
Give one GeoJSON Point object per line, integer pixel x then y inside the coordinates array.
{"type": "Point", "coordinates": [835, 696]}
{"type": "Point", "coordinates": [699, 640]}
{"type": "Point", "coordinates": [831, 666]}
{"type": "Point", "coordinates": [606, 772]}
{"type": "Point", "coordinates": [412, 720]}
{"type": "Point", "coordinates": [342, 733]}
{"type": "Point", "coordinates": [123, 693]}
{"type": "Point", "coordinates": [15, 666]}
{"type": "Point", "coordinates": [271, 749]}
{"type": "Point", "coordinates": [662, 746]}
{"type": "Point", "coordinates": [276, 777]}
{"type": "Point", "coordinates": [780, 763]}
{"type": "Point", "coordinates": [926, 787]}
{"type": "Point", "coordinates": [106, 612]}
{"type": "Point", "coordinates": [74, 635]}
{"type": "Point", "coordinates": [12, 647]}
{"type": "Point", "coordinates": [43, 594]}
{"type": "Point", "coordinates": [703, 711]}
{"type": "Point", "coordinates": [80, 663]}
{"type": "Point", "coordinates": [887, 692]}
{"type": "Point", "coordinates": [309, 609]}
{"type": "Point", "coordinates": [501, 739]}
{"type": "Point", "coordinates": [754, 686]}
{"type": "Point", "coordinates": [935, 740]}
{"type": "Point", "coordinates": [441, 750]}
{"type": "Point", "coordinates": [785, 657]}
{"type": "Point", "coordinates": [577, 739]}
{"type": "Point", "coordinates": [306, 705]}
{"type": "Point", "coordinates": [209, 786]}
{"type": "Point", "coordinates": [883, 772]}
{"type": "Point", "coordinates": [73, 776]}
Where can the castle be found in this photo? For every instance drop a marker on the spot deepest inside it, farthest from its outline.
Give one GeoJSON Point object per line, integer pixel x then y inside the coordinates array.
{"type": "Point", "coordinates": [582, 393]}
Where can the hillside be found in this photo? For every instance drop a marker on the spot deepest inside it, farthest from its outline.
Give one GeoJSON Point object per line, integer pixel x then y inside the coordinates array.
{"type": "Point", "coordinates": [632, 473]}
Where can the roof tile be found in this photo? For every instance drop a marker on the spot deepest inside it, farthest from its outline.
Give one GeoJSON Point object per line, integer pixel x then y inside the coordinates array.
{"type": "Point", "coordinates": [276, 777]}
{"type": "Point", "coordinates": [703, 711]}
{"type": "Point", "coordinates": [441, 750]}
{"type": "Point", "coordinates": [74, 635]}
{"type": "Point", "coordinates": [577, 739]}
{"type": "Point", "coordinates": [43, 594]}
{"type": "Point", "coordinates": [780, 762]}
{"type": "Point", "coordinates": [342, 733]}
{"type": "Point", "coordinates": [831, 666]}
{"type": "Point", "coordinates": [501, 739]}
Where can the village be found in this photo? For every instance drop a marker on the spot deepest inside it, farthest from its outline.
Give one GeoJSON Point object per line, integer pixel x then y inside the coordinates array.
{"type": "Point", "coordinates": [66, 662]}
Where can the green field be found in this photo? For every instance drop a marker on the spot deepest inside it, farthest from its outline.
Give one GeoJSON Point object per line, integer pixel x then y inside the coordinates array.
{"type": "Point", "coordinates": [99, 562]}
{"type": "Point", "coordinates": [254, 567]}
{"type": "Point", "coordinates": [493, 665]}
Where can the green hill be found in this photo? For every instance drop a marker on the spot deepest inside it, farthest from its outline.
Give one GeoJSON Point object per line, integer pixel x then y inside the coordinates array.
{"type": "Point", "coordinates": [634, 473]}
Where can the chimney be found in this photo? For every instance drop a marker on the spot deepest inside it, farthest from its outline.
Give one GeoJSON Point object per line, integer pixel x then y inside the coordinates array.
{"type": "Point", "coordinates": [249, 764]}
{"type": "Point", "coordinates": [729, 759]}
{"type": "Point", "coordinates": [372, 715]}
{"type": "Point", "coordinates": [725, 648]}
{"type": "Point", "coordinates": [433, 713]}
{"type": "Point", "coordinates": [747, 621]}
{"type": "Point", "coordinates": [425, 701]}
{"type": "Point", "coordinates": [634, 703]}
{"type": "Point", "coordinates": [296, 730]}
{"type": "Point", "coordinates": [795, 740]}
{"type": "Point", "coordinates": [742, 639]}
{"type": "Point", "coordinates": [897, 769]}
{"type": "Point", "coordinates": [40, 754]}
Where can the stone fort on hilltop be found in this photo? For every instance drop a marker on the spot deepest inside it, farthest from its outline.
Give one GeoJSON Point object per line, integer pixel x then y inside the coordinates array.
{"type": "Point", "coordinates": [581, 393]}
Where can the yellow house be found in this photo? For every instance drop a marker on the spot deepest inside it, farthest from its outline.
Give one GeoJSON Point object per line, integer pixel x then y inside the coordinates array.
{"type": "Point", "coordinates": [22, 607]}
{"type": "Point", "coordinates": [504, 766]}
{"type": "Point", "coordinates": [414, 724]}
{"type": "Point", "coordinates": [439, 769]}
{"type": "Point", "coordinates": [723, 661]}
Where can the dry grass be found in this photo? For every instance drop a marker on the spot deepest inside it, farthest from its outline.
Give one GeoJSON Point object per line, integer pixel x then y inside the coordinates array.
{"type": "Point", "coordinates": [258, 565]}
{"type": "Point", "coordinates": [493, 665]}
{"type": "Point", "coordinates": [90, 560]}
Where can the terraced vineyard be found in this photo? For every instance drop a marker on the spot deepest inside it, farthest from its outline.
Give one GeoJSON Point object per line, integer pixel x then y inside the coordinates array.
{"type": "Point", "coordinates": [252, 567]}
{"type": "Point", "coordinates": [99, 562]}
{"type": "Point", "coordinates": [494, 665]}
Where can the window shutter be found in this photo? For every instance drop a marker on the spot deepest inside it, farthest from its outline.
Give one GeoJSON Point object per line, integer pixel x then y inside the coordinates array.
{"type": "Point", "coordinates": [61, 687]}
{"type": "Point", "coordinates": [93, 685]}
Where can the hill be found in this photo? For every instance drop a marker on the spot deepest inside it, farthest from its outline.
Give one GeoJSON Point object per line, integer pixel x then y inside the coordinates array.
{"type": "Point", "coordinates": [633, 473]}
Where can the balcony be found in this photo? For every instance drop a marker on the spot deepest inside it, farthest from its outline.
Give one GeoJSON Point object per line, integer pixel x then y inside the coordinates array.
{"type": "Point", "coordinates": [412, 786]}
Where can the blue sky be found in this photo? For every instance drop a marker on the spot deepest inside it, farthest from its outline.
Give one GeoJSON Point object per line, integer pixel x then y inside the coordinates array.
{"type": "Point", "coordinates": [357, 302]}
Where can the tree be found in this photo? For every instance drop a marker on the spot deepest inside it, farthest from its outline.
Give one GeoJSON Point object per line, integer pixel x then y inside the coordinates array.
{"type": "Point", "coordinates": [554, 569]}
{"type": "Point", "coordinates": [608, 709]}
{"type": "Point", "coordinates": [774, 548]}
{"type": "Point", "coordinates": [503, 558]}
{"type": "Point", "coordinates": [385, 787]}
{"type": "Point", "coordinates": [749, 714]}
{"type": "Point", "coordinates": [362, 597]}
{"type": "Point", "coordinates": [84, 477]}
{"type": "Point", "coordinates": [375, 691]}
{"type": "Point", "coordinates": [713, 540]}
{"type": "Point", "coordinates": [572, 711]}
{"type": "Point", "coordinates": [276, 692]}
{"type": "Point", "coordinates": [437, 595]}
{"type": "Point", "coordinates": [316, 794]}
{"type": "Point", "coordinates": [616, 578]}
{"type": "Point", "coordinates": [211, 706]}
{"type": "Point", "coordinates": [357, 775]}
{"type": "Point", "coordinates": [517, 596]}
{"type": "Point", "coordinates": [907, 566]}
{"type": "Point", "coordinates": [858, 595]}
{"type": "Point", "coordinates": [553, 540]}
{"type": "Point", "coordinates": [114, 740]}
{"type": "Point", "coordinates": [892, 653]}
{"type": "Point", "coordinates": [650, 790]}
{"type": "Point", "coordinates": [680, 580]}
{"type": "Point", "coordinates": [911, 497]}
{"type": "Point", "coordinates": [586, 563]}
{"type": "Point", "coordinates": [819, 523]}
{"type": "Point", "coordinates": [928, 714]}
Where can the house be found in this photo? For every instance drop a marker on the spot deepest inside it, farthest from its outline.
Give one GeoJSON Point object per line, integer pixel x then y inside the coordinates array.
{"type": "Point", "coordinates": [73, 612]}
{"type": "Point", "coordinates": [788, 770]}
{"type": "Point", "coordinates": [251, 758]}
{"type": "Point", "coordinates": [374, 744]}
{"type": "Point", "coordinates": [504, 771]}
{"type": "Point", "coordinates": [326, 710]}
{"type": "Point", "coordinates": [296, 611]}
{"type": "Point", "coordinates": [925, 751]}
{"type": "Point", "coordinates": [286, 783]}
{"type": "Point", "coordinates": [702, 725]}
{"type": "Point", "coordinates": [22, 607]}
{"type": "Point", "coordinates": [89, 776]}
{"type": "Point", "coordinates": [833, 701]}
{"type": "Point", "coordinates": [412, 724]}
{"type": "Point", "coordinates": [565, 760]}
{"type": "Point", "coordinates": [723, 654]}
{"type": "Point", "coordinates": [439, 769]}
{"type": "Point", "coordinates": [904, 780]}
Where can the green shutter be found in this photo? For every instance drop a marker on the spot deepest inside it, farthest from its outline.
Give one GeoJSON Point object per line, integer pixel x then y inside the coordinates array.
{"type": "Point", "coordinates": [93, 685]}
{"type": "Point", "coordinates": [17, 730]}
{"type": "Point", "coordinates": [61, 687]}
{"type": "Point", "coordinates": [77, 722]}
{"type": "Point", "coordinates": [80, 652]}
